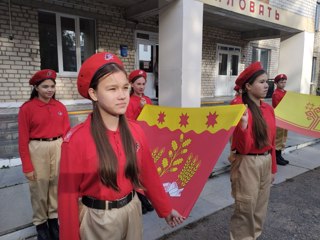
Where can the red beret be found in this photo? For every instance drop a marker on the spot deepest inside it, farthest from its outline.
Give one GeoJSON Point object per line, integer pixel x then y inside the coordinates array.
{"type": "Point", "coordinates": [43, 75]}
{"type": "Point", "coordinates": [236, 88]}
{"type": "Point", "coordinates": [90, 67]}
{"type": "Point", "coordinates": [137, 73]}
{"type": "Point", "coordinates": [279, 77]}
{"type": "Point", "coordinates": [247, 73]}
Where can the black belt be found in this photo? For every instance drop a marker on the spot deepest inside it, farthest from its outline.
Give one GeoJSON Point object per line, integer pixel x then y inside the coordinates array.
{"type": "Point", "coordinates": [100, 204]}
{"type": "Point", "coordinates": [45, 139]}
{"type": "Point", "coordinates": [256, 154]}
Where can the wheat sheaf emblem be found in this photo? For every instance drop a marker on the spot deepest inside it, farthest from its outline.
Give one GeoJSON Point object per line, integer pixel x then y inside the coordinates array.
{"type": "Point", "coordinates": [176, 158]}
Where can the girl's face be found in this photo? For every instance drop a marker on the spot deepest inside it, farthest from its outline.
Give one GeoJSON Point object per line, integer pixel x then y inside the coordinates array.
{"type": "Point", "coordinates": [112, 94]}
{"type": "Point", "coordinates": [138, 86]}
{"type": "Point", "coordinates": [46, 90]}
{"type": "Point", "coordinates": [281, 84]}
{"type": "Point", "coordinates": [259, 88]}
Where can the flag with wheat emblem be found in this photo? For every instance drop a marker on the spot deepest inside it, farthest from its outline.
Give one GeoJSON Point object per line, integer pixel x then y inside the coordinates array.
{"type": "Point", "coordinates": [185, 144]}
{"type": "Point", "coordinates": [299, 113]}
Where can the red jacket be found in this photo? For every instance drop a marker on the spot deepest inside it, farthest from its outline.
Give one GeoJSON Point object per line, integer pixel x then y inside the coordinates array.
{"type": "Point", "coordinates": [277, 96]}
{"type": "Point", "coordinates": [37, 119]}
{"type": "Point", "coordinates": [237, 100]}
{"type": "Point", "coordinates": [134, 108]}
{"type": "Point", "coordinates": [79, 176]}
{"type": "Point", "coordinates": [243, 140]}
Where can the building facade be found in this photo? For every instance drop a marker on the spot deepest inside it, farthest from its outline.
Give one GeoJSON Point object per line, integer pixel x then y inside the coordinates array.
{"type": "Point", "coordinates": [192, 50]}
{"type": "Point", "coordinates": [231, 34]}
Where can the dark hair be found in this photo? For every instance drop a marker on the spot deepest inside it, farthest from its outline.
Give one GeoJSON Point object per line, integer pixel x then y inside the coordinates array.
{"type": "Point", "coordinates": [34, 92]}
{"type": "Point", "coordinates": [132, 81]}
{"type": "Point", "coordinates": [259, 125]}
{"type": "Point", "coordinates": [108, 162]}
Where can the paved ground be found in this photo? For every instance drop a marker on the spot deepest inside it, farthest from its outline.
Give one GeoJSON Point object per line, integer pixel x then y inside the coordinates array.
{"type": "Point", "coordinates": [293, 214]}
{"type": "Point", "coordinates": [16, 214]}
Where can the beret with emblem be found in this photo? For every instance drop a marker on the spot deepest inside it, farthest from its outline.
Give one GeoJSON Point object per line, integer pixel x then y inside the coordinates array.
{"type": "Point", "coordinates": [137, 73]}
{"type": "Point", "coordinates": [90, 67]}
{"type": "Point", "coordinates": [279, 77]}
{"type": "Point", "coordinates": [248, 73]}
{"type": "Point", "coordinates": [43, 75]}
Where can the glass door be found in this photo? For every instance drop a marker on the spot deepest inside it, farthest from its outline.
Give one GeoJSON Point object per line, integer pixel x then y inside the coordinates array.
{"type": "Point", "coordinates": [146, 59]}
{"type": "Point", "coordinates": [227, 69]}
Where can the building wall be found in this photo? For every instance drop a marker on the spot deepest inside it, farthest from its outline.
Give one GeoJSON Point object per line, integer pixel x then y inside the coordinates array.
{"type": "Point", "coordinates": [302, 7]}
{"type": "Point", "coordinates": [20, 57]}
{"type": "Point", "coordinates": [274, 46]}
{"type": "Point", "coordinates": [315, 89]}
{"type": "Point", "coordinates": [213, 36]}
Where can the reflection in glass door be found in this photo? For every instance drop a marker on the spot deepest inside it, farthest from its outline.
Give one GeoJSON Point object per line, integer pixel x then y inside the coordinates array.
{"type": "Point", "coordinates": [228, 66]}
{"type": "Point", "coordinates": [147, 50]}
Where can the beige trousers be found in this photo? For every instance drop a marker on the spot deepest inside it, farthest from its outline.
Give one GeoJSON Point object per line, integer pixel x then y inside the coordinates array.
{"type": "Point", "coordinates": [45, 157]}
{"type": "Point", "coordinates": [116, 224]}
{"type": "Point", "coordinates": [281, 138]}
{"type": "Point", "coordinates": [250, 184]}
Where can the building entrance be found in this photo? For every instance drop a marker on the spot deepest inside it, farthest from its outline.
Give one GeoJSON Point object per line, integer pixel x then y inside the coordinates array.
{"type": "Point", "coordinates": [227, 69]}
{"type": "Point", "coordinates": [147, 59]}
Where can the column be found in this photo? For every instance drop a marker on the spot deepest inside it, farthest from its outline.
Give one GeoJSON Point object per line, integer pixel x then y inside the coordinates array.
{"type": "Point", "coordinates": [295, 61]}
{"type": "Point", "coordinates": [180, 53]}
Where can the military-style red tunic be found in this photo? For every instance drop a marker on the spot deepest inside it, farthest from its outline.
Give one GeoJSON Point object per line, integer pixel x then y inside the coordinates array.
{"type": "Point", "coordinates": [38, 119]}
{"type": "Point", "coordinates": [243, 140]}
{"type": "Point", "coordinates": [134, 107]}
{"type": "Point", "coordinates": [79, 175]}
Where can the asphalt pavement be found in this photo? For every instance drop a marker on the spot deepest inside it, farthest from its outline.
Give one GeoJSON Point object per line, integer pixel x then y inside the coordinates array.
{"type": "Point", "coordinates": [293, 214]}
{"type": "Point", "coordinates": [215, 199]}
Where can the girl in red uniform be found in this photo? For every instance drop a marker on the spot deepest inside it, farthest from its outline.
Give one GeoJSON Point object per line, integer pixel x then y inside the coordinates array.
{"type": "Point", "coordinates": [237, 98]}
{"type": "Point", "coordinates": [42, 121]}
{"type": "Point", "coordinates": [138, 80]}
{"type": "Point", "coordinates": [281, 133]}
{"type": "Point", "coordinates": [254, 166]}
{"type": "Point", "coordinates": [104, 160]}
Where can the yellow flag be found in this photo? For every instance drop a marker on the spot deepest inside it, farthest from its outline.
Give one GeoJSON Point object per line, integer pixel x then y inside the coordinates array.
{"type": "Point", "coordinates": [299, 113]}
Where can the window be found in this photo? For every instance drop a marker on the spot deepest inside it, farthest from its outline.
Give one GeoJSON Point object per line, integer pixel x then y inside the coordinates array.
{"type": "Point", "coordinates": [316, 22]}
{"type": "Point", "coordinates": [228, 58]}
{"type": "Point", "coordinates": [262, 55]}
{"type": "Point", "coordinates": [65, 41]}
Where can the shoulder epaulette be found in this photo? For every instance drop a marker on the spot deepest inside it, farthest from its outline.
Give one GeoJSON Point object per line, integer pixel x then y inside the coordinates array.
{"type": "Point", "coordinates": [69, 134]}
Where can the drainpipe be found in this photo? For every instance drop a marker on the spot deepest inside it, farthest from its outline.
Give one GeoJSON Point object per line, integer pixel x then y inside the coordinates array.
{"type": "Point", "coordinates": [10, 21]}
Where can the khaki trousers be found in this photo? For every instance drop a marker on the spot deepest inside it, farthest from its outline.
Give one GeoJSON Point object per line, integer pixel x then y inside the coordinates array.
{"type": "Point", "coordinates": [45, 157]}
{"type": "Point", "coordinates": [250, 184]}
{"type": "Point", "coordinates": [116, 224]}
{"type": "Point", "coordinates": [281, 138]}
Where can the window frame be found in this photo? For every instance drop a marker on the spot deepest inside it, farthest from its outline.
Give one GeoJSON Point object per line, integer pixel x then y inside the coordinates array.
{"type": "Point", "coordinates": [76, 18]}
{"type": "Point", "coordinates": [259, 56]}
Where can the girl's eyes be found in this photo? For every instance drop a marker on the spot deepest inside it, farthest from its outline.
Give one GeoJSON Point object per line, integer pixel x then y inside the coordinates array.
{"type": "Point", "coordinates": [114, 89]}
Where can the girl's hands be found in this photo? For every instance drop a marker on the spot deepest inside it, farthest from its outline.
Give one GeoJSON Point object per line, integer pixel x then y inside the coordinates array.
{"type": "Point", "coordinates": [31, 176]}
{"type": "Point", "coordinates": [174, 218]}
{"type": "Point", "coordinates": [142, 102]}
